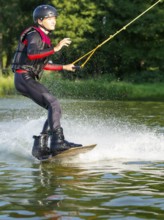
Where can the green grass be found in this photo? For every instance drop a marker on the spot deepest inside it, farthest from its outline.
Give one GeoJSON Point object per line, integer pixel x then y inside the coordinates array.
{"type": "Point", "coordinates": [104, 90]}
{"type": "Point", "coordinates": [89, 89]}
{"type": "Point", "coordinates": [6, 85]}
{"type": "Point", "coordinates": [152, 92]}
{"type": "Point", "coordinates": [92, 89]}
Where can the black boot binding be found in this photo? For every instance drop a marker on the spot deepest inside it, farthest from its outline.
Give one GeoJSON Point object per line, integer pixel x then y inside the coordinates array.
{"type": "Point", "coordinates": [40, 149]}
{"type": "Point", "coordinates": [58, 142]}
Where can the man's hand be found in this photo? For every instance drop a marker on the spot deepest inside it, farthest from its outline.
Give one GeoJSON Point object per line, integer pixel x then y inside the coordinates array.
{"type": "Point", "coordinates": [69, 67]}
{"type": "Point", "coordinates": [65, 42]}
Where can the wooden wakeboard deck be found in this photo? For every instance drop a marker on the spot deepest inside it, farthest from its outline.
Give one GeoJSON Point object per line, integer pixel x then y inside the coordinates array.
{"type": "Point", "coordinates": [72, 152]}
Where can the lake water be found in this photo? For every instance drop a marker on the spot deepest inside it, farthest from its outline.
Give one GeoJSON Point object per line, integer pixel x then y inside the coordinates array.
{"type": "Point", "coordinates": [122, 178]}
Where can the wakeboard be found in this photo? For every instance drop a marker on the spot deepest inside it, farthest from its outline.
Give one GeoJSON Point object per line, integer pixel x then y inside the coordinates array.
{"type": "Point", "coordinates": [74, 151]}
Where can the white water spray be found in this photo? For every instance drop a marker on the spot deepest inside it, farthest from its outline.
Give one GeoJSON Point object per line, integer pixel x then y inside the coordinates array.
{"type": "Point", "coordinates": [114, 139]}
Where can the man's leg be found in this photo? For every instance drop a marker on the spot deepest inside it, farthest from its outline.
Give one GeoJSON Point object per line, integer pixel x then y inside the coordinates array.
{"type": "Point", "coordinates": [40, 94]}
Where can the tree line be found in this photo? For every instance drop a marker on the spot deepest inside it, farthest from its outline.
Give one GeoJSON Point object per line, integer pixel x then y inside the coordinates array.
{"type": "Point", "coordinates": [134, 55]}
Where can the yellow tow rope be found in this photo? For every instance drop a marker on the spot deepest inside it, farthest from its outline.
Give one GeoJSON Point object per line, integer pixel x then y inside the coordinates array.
{"type": "Point", "coordinates": [90, 53]}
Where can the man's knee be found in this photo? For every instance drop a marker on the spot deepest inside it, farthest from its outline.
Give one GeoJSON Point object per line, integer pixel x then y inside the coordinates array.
{"type": "Point", "coordinates": [52, 102]}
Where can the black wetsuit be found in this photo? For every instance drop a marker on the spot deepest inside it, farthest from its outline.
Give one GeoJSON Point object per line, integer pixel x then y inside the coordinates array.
{"type": "Point", "coordinates": [30, 59]}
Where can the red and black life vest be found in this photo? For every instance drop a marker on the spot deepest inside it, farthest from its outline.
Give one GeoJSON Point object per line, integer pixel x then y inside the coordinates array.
{"type": "Point", "coordinates": [33, 51]}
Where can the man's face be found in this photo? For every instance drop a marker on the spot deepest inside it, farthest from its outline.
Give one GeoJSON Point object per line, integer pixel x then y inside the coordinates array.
{"type": "Point", "coordinates": [48, 23]}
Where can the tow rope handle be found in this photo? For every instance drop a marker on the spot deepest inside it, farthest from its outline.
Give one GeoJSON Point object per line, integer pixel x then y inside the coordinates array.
{"type": "Point", "coordinates": [77, 67]}
{"type": "Point", "coordinates": [90, 53]}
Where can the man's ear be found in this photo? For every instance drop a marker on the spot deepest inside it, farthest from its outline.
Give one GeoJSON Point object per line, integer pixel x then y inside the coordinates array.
{"type": "Point", "coordinates": [40, 21]}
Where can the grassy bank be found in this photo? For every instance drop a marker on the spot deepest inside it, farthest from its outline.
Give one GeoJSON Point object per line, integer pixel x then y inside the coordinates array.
{"type": "Point", "coordinates": [103, 90]}
{"type": "Point", "coordinates": [6, 85]}
{"type": "Point", "coordinates": [88, 89]}
{"type": "Point", "coordinates": [92, 89]}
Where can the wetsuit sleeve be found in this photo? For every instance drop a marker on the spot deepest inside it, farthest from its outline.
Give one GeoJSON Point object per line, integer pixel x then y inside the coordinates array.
{"type": "Point", "coordinates": [34, 43]}
{"type": "Point", "coordinates": [53, 67]}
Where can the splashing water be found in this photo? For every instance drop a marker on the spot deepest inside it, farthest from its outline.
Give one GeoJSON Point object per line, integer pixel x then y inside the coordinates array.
{"type": "Point", "coordinates": [114, 139]}
{"type": "Point", "coordinates": [124, 173]}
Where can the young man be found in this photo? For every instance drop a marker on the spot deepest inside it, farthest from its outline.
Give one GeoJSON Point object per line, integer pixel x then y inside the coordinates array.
{"type": "Point", "coordinates": [30, 59]}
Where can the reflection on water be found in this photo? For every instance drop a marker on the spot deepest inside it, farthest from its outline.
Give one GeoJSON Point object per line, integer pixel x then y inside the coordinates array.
{"type": "Point", "coordinates": [122, 178]}
{"type": "Point", "coordinates": [77, 191]}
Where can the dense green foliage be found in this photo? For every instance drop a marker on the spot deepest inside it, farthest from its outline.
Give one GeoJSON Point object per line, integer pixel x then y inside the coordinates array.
{"type": "Point", "coordinates": [102, 88]}
{"type": "Point", "coordinates": [6, 85]}
{"type": "Point", "coordinates": [135, 55]}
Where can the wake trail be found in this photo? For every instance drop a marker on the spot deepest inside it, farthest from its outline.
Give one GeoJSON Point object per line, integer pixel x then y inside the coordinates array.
{"type": "Point", "coordinates": [115, 139]}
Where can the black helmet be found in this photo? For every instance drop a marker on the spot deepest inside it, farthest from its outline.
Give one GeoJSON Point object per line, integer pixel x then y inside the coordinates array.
{"type": "Point", "coordinates": [44, 11]}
